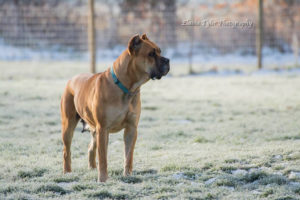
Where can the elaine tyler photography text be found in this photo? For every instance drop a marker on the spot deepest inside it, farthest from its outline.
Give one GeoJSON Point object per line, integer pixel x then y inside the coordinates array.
{"type": "Point", "coordinates": [211, 23]}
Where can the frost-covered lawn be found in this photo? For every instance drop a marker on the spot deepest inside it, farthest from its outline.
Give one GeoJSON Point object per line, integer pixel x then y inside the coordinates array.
{"type": "Point", "coordinates": [200, 137]}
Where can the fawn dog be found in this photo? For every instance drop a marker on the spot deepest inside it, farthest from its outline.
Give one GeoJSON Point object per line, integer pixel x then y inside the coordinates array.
{"type": "Point", "coordinates": [108, 102]}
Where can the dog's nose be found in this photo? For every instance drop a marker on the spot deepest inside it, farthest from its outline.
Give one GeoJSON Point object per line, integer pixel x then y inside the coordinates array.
{"type": "Point", "coordinates": [167, 60]}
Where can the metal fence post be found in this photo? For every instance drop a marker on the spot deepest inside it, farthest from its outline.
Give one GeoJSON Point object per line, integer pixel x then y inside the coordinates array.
{"type": "Point", "coordinates": [91, 37]}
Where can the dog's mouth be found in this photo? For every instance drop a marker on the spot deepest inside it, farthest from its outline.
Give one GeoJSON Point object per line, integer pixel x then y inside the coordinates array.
{"type": "Point", "coordinates": [160, 72]}
{"type": "Point", "coordinates": [154, 76]}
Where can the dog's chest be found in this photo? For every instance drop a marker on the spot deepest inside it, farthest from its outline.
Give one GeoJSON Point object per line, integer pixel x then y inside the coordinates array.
{"type": "Point", "coordinates": [117, 117]}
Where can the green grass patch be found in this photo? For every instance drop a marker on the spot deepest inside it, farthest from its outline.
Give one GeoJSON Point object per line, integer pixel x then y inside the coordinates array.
{"type": "Point", "coordinates": [65, 179]}
{"type": "Point", "coordinates": [286, 198]}
{"type": "Point", "coordinates": [51, 188]}
{"type": "Point", "coordinates": [201, 139]}
{"type": "Point", "coordinates": [146, 172]}
{"type": "Point", "coordinates": [8, 189]}
{"type": "Point", "coordinates": [131, 179]}
{"type": "Point", "coordinates": [150, 108]}
{"type": "Point", "coordinates": [104, 194]}
{"type": "Point", "coordinates": [190, 175]}
{"type": "Point", "coordinates": [51, 123]}
{"type": "Point", "coordinates": [274, 179]}
{"type": "Point", "coordinates": [170, 167]}
{"type": "Point", "coordinates": [228, 181]}
{"type": "Point", "coordinates": [100, 194]}
{"type": "Point", "coordinates": [208, 166]}
{"type": "Point", "coordinates": [231, 161]}
{"type": "Point", "coordinates": [81, 187]}
{"type": "Point", "coordinates": [228, 168]}
{"type": "Point", "coordinates": [253, 176]}
{"type": "Point", "coordinates": [267, 193]}
{"type": "Point", "coordinates": [165, 189]}
{"type": "Point", "coordinates": [116, 172]}
{"type": "Point", "coordinates": [283, 138]}
{"type": "Point", "coordinates": [156, 147]}
{"type": "Point", "coordinates": [297, 190]}
{"type": "Point", "coordinates": [36, 172]}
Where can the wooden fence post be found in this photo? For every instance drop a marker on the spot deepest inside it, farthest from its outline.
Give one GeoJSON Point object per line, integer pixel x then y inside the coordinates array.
{"type": "Point", "coordinates": [259, 34]}
{"type": "Point", "coordinates": [190, 56]}
{"type": "Point", "coordinates": [91, 37]}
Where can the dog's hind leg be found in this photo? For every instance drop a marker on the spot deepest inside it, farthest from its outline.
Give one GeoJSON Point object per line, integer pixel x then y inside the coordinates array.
{"type": "Point", "coordinates": [92, 151]}
{"type": "Point", "coordinates": [69, 121]}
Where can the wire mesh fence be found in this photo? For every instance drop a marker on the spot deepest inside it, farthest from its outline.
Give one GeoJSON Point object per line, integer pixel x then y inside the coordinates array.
{"type": "Point", "coordinates": [52, 29]}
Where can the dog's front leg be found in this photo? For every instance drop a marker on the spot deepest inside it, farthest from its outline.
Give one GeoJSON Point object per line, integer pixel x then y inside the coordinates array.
{"type": "Point", "coordinates": [102, 143]}
{"type": "Point", "coordinates": [130, 135]}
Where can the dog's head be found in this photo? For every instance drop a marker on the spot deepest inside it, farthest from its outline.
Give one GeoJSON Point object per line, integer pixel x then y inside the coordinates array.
{"type": "Point", "coordinates": [147, 58]}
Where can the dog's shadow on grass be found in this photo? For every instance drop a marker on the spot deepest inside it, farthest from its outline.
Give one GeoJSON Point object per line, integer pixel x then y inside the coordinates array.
{"type": "Point", "coordinates": [137, 175]}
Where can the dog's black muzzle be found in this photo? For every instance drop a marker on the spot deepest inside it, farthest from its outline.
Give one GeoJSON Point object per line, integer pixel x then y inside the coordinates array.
{"type": "Point", "coordinates": [162, 68]}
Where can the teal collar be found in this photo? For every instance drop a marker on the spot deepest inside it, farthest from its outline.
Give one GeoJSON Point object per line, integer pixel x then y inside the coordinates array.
{"type": "Point", "coordinates": [117, 81]}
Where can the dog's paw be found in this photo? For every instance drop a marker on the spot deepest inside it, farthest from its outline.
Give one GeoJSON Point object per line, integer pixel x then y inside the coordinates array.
{"type": "Point", "coordinates": [92, 166]}
{"type": "Point", "coordinates": [127, 173]}
{"type": "Point", "coordinates": [102, 178]}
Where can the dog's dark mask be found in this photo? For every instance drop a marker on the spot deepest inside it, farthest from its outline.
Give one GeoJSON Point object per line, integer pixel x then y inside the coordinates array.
{"type": "Point", "coordinates": [162, 66]}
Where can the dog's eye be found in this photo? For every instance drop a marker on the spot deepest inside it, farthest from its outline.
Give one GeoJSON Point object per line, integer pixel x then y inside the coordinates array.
{"type": "Point", "coordinates": [152, 54]}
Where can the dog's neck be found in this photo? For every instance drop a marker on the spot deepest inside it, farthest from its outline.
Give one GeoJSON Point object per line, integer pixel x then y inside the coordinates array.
{"type": "Point", "coordinates": [127, 72]}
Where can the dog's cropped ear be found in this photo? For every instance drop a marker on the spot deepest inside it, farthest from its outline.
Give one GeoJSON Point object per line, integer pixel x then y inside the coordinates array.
{"type": "Point", "coordinates": [134, 44]}
{"type": "Point", "coordinates": [144, 37]}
